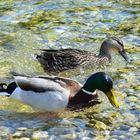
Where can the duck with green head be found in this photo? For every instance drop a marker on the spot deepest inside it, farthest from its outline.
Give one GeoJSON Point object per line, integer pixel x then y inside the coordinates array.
{"type": "Point", "coordinates": [65, 59]}
{"type": "Point", "coordinates": [57, 93]}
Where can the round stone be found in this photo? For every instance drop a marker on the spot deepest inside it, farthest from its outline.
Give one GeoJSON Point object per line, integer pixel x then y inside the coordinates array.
{"type": "Point", "coordinates": [133, 129]}
{"type": "Point", "coordinates": [39, 135]}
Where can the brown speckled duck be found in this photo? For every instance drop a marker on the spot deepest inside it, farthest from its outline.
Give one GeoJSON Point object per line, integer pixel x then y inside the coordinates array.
{"type": "Point", "coordinates": [50, 93]}
{"type": "Point", "coordinates": [65, 59]}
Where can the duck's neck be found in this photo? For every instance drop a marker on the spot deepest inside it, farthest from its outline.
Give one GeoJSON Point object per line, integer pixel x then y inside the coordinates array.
{"type": "Point", "coordinates": [84, 96]}
{"type": "Point", "coordinates": [104, 52]}
{"type": "Point", "coordinates": [81, 98]}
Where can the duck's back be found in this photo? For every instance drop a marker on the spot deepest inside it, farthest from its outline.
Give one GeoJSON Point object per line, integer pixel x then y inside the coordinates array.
{"type": "Point", "coordinates": [63, 59]}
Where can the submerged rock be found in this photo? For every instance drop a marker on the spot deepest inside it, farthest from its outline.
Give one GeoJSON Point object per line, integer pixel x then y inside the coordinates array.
{"type": "Point", "coordinates": [37, 135]}
{"type": "Point", "coordinates": [4, 131]}
{"type": "Point", "coordinates": [133, 129]}
{"type": "Point", "coordinates": [19, 134]}
{"type": "Point", "coordinates": [97, 125]}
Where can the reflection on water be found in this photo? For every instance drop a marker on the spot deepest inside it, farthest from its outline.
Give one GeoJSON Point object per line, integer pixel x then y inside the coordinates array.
{"type": "Point", "coordinates": [26, 26]}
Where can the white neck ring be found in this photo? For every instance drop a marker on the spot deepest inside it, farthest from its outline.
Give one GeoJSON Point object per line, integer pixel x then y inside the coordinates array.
{"type": "Point", "coordinates": [88, 92]}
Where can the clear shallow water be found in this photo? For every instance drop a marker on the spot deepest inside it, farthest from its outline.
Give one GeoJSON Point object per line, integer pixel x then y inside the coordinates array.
{"type": "Point", "coordinates": [26, 26]}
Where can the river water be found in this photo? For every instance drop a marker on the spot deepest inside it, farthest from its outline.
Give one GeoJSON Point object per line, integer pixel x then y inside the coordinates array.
{"type": "Point", "coordinates": [29, 25]}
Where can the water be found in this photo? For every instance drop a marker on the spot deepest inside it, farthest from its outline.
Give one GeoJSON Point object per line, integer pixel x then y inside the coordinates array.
{"type": "Point", "coordinates": [28, 25]}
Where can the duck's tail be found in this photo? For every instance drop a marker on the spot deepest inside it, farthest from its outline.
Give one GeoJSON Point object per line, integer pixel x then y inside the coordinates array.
{"type": "Point", "coordinates": [3, 89]}
{"type": "Point", "coordinates": [6, 90]}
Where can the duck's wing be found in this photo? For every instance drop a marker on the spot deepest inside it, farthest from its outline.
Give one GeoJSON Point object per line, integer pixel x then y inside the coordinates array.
{"type": "Point", "coordinates": [67, 83]}
{"type": "Point", "coordinates": [46, 83]}
{"type": "Point", "coordinates": [63, 59]}
{"type": "Point", "coordinates": [37, 84]}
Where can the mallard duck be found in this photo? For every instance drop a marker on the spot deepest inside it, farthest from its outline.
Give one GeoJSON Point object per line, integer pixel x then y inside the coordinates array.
{"type": "Point", "coordinates": [65, 59]}
{"type": "Point", "coordinates": [57, 93]}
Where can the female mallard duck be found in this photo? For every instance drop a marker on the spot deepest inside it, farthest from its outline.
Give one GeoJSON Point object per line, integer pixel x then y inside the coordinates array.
{"type": "Point", "coordinates": [65, 59]}
{"type": "Point", "coordinates": [57, 93]}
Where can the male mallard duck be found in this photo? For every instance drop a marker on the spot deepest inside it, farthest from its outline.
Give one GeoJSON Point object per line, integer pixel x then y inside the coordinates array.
{"type": "Point", "coordinates": [65, 59]}
{"type": "Point", "coordinates": [57, 93]}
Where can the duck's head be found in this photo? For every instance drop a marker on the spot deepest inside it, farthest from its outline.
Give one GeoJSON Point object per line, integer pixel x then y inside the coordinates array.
{"type": "Point", "coordinates": [102, 82]}
{"type": "Point", "coordinates": [112, 43]}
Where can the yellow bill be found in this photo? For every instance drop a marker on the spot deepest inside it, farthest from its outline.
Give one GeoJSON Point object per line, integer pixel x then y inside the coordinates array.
{"type": "Point", "coordinates": [112, 98]}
